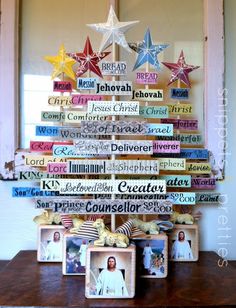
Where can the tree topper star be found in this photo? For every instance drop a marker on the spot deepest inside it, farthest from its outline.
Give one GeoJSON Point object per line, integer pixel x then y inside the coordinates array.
{"type": "Point", "coordinates": [113, 31]}
{"type": "Point", "coordinates": [147, 52]}
{"type": "Point", "coordinates": [62, 63]}
{"type": "Point", "coordinates": [180, 70]}
{"type": "Point", "coordinates": [88, 59]}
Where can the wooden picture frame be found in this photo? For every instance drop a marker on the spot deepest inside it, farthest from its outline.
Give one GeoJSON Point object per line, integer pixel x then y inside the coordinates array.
{"type": "Point", "coordinates": [101, 282]}
{"type": "Point", "coordinates": [189, 249]}
{"type": "Point", "coordinates": [74, 254]}
{"type": "Point", "coordinates": [50, 240]}
{"type": "Point", "coordinates": [152, 256]}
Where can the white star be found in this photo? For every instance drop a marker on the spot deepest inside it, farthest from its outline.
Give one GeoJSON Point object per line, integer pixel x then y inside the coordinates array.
{"type": "Point", "coordinates": [113, 31]}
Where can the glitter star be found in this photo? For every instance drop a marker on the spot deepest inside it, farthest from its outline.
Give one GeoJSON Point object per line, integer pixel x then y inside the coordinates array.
{"type": "Point", "coordinates": [113, 31]}
{"type": "Point", "coordinates": [147, 52]}
{"type": "Point", "coordinates": [180, 70]}
{"type": "Point", "coordinates": [62, 63]}
{"type": "Point", "coordinates": [88, 59]}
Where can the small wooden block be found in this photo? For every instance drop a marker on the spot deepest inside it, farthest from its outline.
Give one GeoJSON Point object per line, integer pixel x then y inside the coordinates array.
{"type": "Point", "coordinates": [74, 254]}
{"type": "Point", "coordinates": [186, 249]}
{"type": "Point", "coordinates": [50, 238]}
{"type": "Point", "coordinates": [100, 282]}
{"type": "Point", "coordinates": [152, 256]}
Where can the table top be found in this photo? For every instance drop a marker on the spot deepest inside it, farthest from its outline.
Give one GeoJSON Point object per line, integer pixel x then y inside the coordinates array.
{"type": "Point", "coordinates": [25, 282]}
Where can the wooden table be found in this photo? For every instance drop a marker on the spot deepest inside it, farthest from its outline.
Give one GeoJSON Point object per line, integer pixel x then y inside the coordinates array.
{"type": "Point", "coordinates": [24, 282]}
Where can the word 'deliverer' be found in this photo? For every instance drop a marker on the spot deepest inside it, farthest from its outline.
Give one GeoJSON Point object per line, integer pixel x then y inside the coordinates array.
{"type": "Point", "coordinates": [71, 186]}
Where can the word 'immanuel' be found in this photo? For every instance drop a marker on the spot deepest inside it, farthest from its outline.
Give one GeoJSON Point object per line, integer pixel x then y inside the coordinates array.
{"type": "Point", "coordinates": [66, 186]}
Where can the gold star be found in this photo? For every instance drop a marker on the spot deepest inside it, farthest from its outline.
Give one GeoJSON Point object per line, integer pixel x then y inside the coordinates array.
{"type": "Point", "coordinates": [62, 63]}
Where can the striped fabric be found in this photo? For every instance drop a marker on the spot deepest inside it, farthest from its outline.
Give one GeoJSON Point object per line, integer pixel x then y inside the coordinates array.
{"type": "Point", "coordinates": [126, 228]}
{"type": "Point", "coordinates": [137, 232]}
{"type": "Point", "coordinates": [94, 217]}
{"type": "Point", "coordinates": [66, 221]}
{"type": "Point", "coordinates": [87, 231]}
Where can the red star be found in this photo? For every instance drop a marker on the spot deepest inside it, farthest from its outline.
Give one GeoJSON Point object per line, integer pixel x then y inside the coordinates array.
{"type": "Point", "coordinates": [180, 70]}
{"type": "Point", "coordinates": [88, 60]}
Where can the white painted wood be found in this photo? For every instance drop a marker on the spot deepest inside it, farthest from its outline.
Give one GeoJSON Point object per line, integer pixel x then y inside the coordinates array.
{"type": "Point", "coordinates": [215, 119]}
{"type": "Point", "coordinates": [8, 86]}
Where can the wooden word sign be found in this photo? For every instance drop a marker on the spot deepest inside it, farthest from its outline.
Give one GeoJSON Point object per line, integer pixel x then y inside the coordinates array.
{"type": "Point", "coordinates": [166, 146]}
{"type": "Point", "coordinates": [114, 88]}
{"type": "Point", "coordinates": [31, 192]}
{"type": "Point", "coordinates": [148, 95]}
{"type": "Point", "coordinates": [182, 124]}
{"type": "Point", "coordinates": [176, 180]}
{"type": "Point", "coordinates": [159, 129]}
{"type": "Point", "coordinates": [154, 112]}
{"type": "Point", "coordinates": [207, 198]}
{"type": "Point", "coordinates": [195, 139]}
{"type": "Point", "coordinates": [43, 146]}
{"type": "Point", "coordinates": [113, 107]}
{"type": "Point", "coordinates": [105, 206]}
{"type": "Point", "coordinates": [194, 153]}
{"type": "Point", "coordinates": [63, 101]}
{"type": "Point", "coordinates": [78, 116]}
{"type": "Point", "coordinates": [200, 168]}
{"type": "Point", "coordinates": [82, 99]}
{"type": "Point", "coordinates": [179, 94]}
{"type": "Point", "coordinates": [41, 160]}
{"type": "Point", "coordinates": [51, 131]}
{"type": "Point", "coordinates": [112, 167]}
{"type": "Point", "coordinates": [182, 198]}
{"type": "Point", "coordinates": [52, 116]}
{"type": "Point", "coordinates": [62, 86]}
{"type": "Point", "coordinates": [113, 128]}
{"type": "Point", "coordinates": [179, 109]}
{"type": "Point", "coordinates": [33, 175]}
{"type": "Point", "coordinates": [71, 186]}
{"type": "Point", "coordinates": [172, 163]}
{"type": "Point", "coordinates": [57, 168]}
{"type": "Point", "coordinates": [113, 147]}
{"type": "Point", "coordinates": [116, 68]}
{"type": "Point", "coordinates": [203, 183]}
{"type": "Point", "coordinates": [146, 78]}
{"type": "Point", "coordinates": [68, 151]}
{"type": "Point", "coordinates": [69, 133]}
{"type": "Point", "coordinates": [86, 83]}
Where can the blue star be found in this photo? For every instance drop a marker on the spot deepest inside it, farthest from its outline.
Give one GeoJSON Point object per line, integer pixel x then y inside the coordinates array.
{"type": "Point", "coordinates": [147, 52]}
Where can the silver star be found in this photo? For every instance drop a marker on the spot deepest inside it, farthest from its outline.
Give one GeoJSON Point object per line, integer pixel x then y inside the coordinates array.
{"type": "Point", "coordinates": [113, 31]}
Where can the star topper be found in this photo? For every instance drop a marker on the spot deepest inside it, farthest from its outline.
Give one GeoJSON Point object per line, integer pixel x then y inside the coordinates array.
{"type": "Point", "coordinates": [147, 52]}
{"type": "Point", "coordinates": [62, 63]}
{"type": "Point", "coordinates": [113, 31]}
{"type": "Point", "coordinates": [88, 59]}
{"type": "Point", "coordinates": [180, 70]}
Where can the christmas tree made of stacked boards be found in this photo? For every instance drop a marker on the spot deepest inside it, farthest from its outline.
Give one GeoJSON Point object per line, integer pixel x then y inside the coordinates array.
{"type": "Point", "coordinates": [119, 157]}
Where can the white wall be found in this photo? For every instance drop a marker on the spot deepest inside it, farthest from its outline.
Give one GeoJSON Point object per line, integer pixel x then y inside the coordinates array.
{"type": "Point", "coordinates": [18, 232]}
